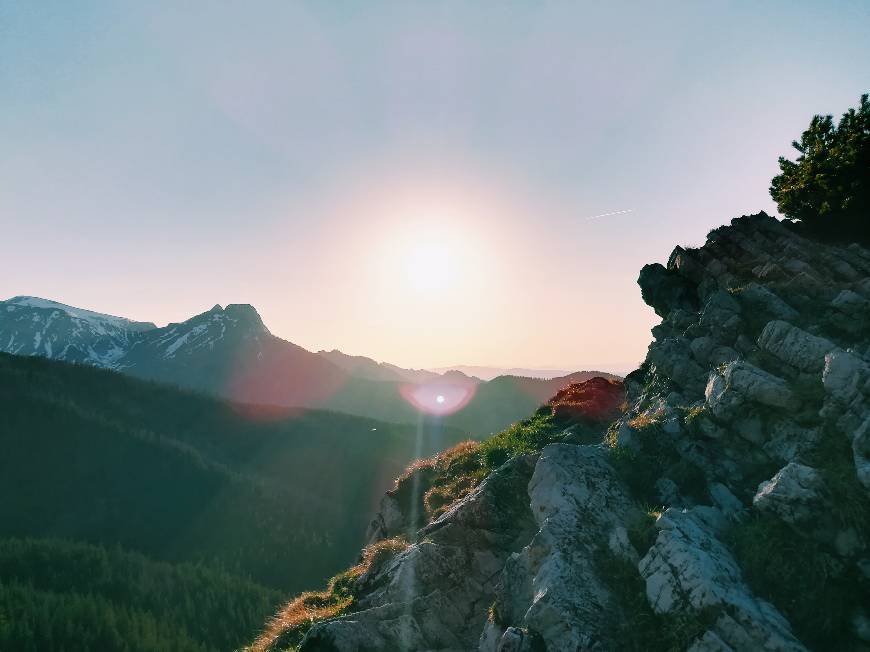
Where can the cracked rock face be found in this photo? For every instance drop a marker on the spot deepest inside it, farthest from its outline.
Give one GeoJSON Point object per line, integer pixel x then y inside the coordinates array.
{"type": "Point", "coordinates": [688, 570]}
{"type": "Point", "coordinates": [552, 587]}
{"type": "Point", "coordinates": [794, 494]}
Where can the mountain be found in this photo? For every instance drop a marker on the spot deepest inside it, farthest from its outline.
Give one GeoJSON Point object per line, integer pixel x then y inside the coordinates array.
{"type": "Point", "coordinates": [717, 500]}
{"type": "Point", "coordinates": [230, 353]}
{"type": "Point", "coordinates": [101, 457]}
{"type": "Point", "coordinates": [363, 367]}
{"type": "Point", "coordinates": [488, 373]}
{"type": "Point", "coordinates": [33, 326]}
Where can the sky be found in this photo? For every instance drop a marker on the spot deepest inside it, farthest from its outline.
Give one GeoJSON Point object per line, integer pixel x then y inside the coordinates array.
{"type": "Point", "coordinates": [418, 182]}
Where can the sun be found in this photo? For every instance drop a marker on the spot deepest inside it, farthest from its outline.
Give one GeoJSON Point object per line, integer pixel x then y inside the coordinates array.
{"type": "Point", "coordinates": [430, 266]}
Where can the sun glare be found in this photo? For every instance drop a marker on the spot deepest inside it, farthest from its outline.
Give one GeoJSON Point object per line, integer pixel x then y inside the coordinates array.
{"type": "Point", "coordinates": [429, 266]}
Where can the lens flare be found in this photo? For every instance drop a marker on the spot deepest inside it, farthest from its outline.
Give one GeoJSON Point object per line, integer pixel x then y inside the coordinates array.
{"type": "Point", "coordinates": [438, 398]}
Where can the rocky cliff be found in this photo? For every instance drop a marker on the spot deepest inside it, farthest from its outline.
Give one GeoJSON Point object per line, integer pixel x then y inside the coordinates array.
{"type": "Point", "coordinates": [720, 504]}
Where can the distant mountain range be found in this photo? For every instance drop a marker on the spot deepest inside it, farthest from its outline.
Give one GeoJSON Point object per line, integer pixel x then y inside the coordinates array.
{"type": "Point", "coordinates": [488, 373]}
{"type": "Point", "coordinates": [229, 352]}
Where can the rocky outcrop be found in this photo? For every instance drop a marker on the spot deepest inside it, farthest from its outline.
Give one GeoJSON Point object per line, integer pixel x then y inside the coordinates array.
{"type": "Point", "coordinates": [782, 336]}
{"type": "Point", "coordinates": [792, 495]}
{"type": "Point", "coordinates": [724, 504]}
{"type": "Point", "coordinates": [435, 594]}
{"type": "Point", "coordinates": [553, 586]}
{"type": "Point", "coordinates": [688, 570]}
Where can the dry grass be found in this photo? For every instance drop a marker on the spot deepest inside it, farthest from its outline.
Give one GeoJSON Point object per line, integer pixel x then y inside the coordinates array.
{"type": "Point", "coordinates": [439, 498]}
{"type": "Point", "coordinates": [426, 464]}
{"type": "Point", "coordinates": [645, 419]}
{"type": "Point", "coordinates": [442, 462]}
{"type": "Point", "coordinates": [458, 472]}
{"type": "Point", "coordinates": [429, 486]}
{"type": "Point", "coordinates": [290, 624]}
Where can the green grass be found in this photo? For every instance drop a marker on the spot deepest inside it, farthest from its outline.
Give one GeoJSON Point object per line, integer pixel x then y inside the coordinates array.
{"type": "Point", "coordinates": [642, 532]}
{"type": "Point", "coordinates": [632, 624]}
{"type": "Point", "coordinates": [527, 436]}
{"type": "Point", "coordinates": [656, 458]}
{"type": "Point", "coordinates": [813, 589]}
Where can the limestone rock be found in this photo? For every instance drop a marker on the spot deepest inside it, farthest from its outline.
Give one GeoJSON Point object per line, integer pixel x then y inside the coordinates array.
{"type": "Point", "coordinates": [688, 569]}
{"type": "Point", "coordinates": [761, 361]}
{"type": "Point", "coordinates": [389, 520]}
{"type": "Point", "coordinates": [738, 384]}
{"type": "Point", "coordinates": [663, 289]}
{"type": "Point", "coordinates": [552, 586]}
{"type": "Point", "coordinates": [793, 494]}
{"type": "Point", "coordinates": [795, 346]}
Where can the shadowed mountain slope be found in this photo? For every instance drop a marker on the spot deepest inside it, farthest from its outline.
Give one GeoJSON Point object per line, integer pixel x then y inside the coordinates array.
{"type": "Point", "coordinates": [94, 455]}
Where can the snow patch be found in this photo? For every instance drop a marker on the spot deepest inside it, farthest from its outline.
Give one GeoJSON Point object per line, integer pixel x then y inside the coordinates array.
{"type": "Point", "coordinates": [78, 313]}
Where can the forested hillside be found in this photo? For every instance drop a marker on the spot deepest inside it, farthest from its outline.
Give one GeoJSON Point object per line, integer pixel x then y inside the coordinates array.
{"type": "Point", "coordinates": [61, 595]}
{"type": "Point", "coordinates": [101, 457]}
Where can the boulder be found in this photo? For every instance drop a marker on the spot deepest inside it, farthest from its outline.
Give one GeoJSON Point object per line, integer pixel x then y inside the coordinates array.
{"type": "Point", "coordinates": [762, 301]}
{"type": "Point", "coordinates": [688, 570]}
{"type": "Point", "coordinates": [664, 289]}
{"type": "Point", "coordinates": [794, 494]}
{"type": "Point", "coordinates": [795, 346]}
{"type": "Point", "coordinates": [740, 384]}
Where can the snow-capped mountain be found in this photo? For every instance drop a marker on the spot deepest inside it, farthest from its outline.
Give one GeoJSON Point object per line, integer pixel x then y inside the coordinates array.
{"type": "Point", "coordinates": [34, 326]}
{"type": "Point", "coordinates": [225, 351]}
{"type": "Point", "coordinates": [230, 352]}
{"type": "Point", "coordinates": [203, 332]}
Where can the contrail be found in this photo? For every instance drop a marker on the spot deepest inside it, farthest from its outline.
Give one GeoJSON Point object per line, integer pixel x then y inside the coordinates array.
{"type": "Point", "coordinates": [595, 217]}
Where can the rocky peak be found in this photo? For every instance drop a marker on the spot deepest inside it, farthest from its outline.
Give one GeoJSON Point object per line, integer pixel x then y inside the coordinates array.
{"type": "Point", "coordinates": [246, 315]}
{"type": "Point", "coordinates": [36, 326]}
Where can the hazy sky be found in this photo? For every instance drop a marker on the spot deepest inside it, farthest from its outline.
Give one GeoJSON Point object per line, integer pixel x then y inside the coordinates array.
{"type": "Point", "coordinates": [409, 181]}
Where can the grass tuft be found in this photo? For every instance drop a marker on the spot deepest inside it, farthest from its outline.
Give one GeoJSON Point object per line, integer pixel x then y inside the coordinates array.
{"type": "Point", "coordinates": [812, 588]}
{"type": "Point", "coordinates": [633, 625]}
{"type": "Point", "coordinates": [527, 436]}
{"type": "Point", "coordinates": [288, 627]}
{"type": "Point", "coordinates": [656, 457]}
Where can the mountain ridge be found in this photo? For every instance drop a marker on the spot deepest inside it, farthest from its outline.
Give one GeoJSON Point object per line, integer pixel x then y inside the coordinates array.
{"type": "Point", "coordinates": [229, 352]}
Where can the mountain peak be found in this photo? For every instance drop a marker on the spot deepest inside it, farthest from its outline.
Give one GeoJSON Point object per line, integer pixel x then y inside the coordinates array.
{"type": "Point", "coordinates": [246, 313]}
